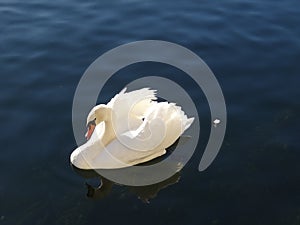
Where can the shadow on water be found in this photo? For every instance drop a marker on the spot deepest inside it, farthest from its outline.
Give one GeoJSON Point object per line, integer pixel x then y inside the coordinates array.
{"type": "Point", "coordinates": [144, 193]}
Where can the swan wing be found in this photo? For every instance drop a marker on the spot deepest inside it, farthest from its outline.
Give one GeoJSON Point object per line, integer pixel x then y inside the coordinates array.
{"type": "Point", "coordinates": [163, 124]}
{"type": "Point", "coordinates": [135, 101]}
{"type": "Point", "coordinates": [128, 109]}
{"type": "Point", "coordinates": [117, 96]}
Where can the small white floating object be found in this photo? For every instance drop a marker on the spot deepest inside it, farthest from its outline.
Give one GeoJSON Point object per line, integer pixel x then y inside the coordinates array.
{"type": "Point", "coordinates": [216, 122]}
{"type": "Point", "coordinates": [131, 129]}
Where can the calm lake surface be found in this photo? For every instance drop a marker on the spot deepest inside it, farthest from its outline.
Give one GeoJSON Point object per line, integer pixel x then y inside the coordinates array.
{"type": "Point", "coordinates": [253, 48]}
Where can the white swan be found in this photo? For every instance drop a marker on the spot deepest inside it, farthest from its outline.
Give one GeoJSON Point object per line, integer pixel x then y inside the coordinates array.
{"type": "Point", "coordinates": [131, 129]}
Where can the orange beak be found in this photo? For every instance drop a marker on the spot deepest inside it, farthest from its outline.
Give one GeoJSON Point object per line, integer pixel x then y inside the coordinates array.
{"type": "Point", "coordinates": [90, 131]}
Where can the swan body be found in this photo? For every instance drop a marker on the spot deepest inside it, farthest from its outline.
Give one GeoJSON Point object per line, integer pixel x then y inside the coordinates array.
{"type": "Point", "coordinates": [131, 129]}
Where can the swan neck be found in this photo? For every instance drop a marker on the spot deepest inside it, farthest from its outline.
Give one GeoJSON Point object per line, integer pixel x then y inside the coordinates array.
{"type": "Point", "coordinates": [109, 133]}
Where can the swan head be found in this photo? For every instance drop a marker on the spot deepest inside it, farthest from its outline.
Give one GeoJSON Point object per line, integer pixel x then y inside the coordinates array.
{"type": "Point", "coordinates": [98, 114]}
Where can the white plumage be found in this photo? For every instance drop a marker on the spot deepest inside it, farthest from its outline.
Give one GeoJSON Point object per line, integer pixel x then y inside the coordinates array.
{"type": "Point", "coordinates": [131, 129]}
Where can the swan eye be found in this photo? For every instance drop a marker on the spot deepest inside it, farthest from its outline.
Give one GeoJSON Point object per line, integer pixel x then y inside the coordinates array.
{"type": "Point", "coordinates": [93, 122]}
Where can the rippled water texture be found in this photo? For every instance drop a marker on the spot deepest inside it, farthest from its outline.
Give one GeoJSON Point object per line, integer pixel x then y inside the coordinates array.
{"type": "Point", "coordinates": [253, 48]}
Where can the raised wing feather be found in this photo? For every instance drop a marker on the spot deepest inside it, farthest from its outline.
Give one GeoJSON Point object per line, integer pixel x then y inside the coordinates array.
{"type": "Point", "coordinates": [129, 108]}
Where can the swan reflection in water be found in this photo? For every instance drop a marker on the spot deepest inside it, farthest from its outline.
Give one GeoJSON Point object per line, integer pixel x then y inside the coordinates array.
{"type": "Point", "coordinates": [144, 193]}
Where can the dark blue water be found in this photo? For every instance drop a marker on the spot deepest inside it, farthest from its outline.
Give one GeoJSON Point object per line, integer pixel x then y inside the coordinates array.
{"type": "Point", "coordinates": [253, 48]}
